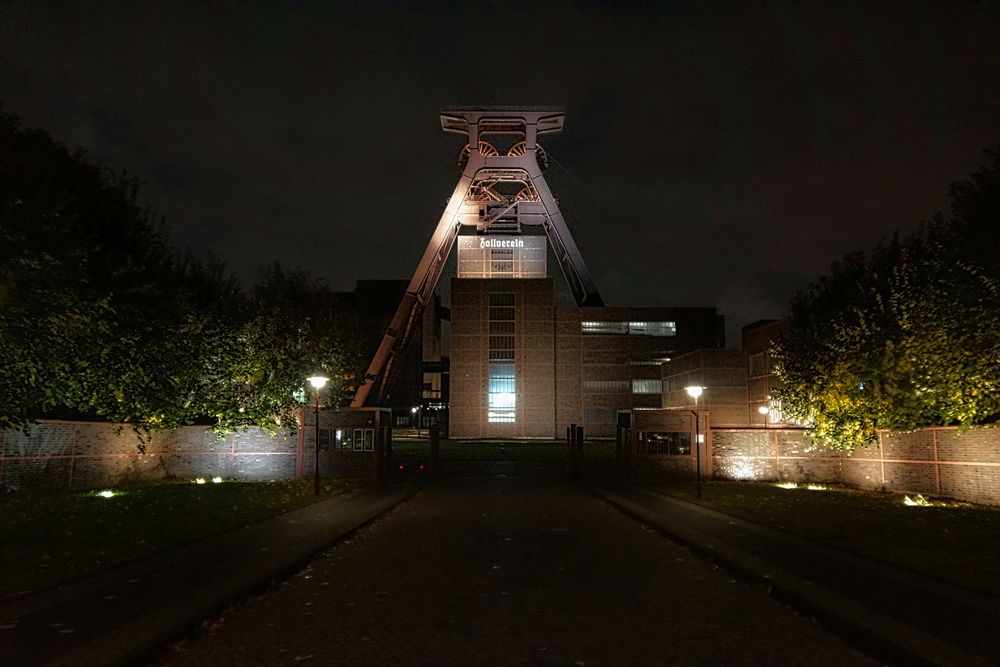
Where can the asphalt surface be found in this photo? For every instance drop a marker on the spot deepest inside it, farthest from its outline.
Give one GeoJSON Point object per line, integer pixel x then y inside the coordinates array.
{"type": "Point", "coordinates": [900, 615]}
{"type": "Point", "coordinates": [122, 614]}
{"type": "Point", "coordinates": [507, 570]}
{"type": "Point", "coordinates": [499, 564]}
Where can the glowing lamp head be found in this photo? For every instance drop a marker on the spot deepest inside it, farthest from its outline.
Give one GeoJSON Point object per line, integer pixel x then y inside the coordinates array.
{"type": "Point", "coordinates": [318, 381]}
{"type": "Point", "coordinates": [694, 391]}
{"type": "Point", "coordinates": [414, 410]}
{"type": "Point", "coordinates": [763, 409]}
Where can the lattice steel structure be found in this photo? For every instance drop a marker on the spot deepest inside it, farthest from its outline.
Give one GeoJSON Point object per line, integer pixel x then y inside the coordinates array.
{"type": "Point", "coordinates": [498, 193]}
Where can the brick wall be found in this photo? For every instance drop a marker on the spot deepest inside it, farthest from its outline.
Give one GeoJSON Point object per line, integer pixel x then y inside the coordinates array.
{"type": "Point", "coordinates": [935, 461]}
{"type": "Point", "coordinates": [81, 455]}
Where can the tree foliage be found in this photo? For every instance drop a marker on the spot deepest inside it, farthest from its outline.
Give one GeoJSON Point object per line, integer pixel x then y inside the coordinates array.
{"type": "Point", "coordinates": [99, 315]}
{"type": "Point", "coordinates": [906, 337]}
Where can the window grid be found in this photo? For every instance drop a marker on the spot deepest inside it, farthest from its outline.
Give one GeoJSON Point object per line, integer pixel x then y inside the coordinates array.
{"type": "Point", "coordinates": [501, 263]}
{"type": "Point", "coordinates": [659, 329]}
{"type": "Point", "coordinates": [647, 386]}
{"type": "Point", "coordinates": [501, 388]}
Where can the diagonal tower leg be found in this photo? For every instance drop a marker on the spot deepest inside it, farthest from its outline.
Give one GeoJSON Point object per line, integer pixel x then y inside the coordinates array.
{"type": "Point", "coordinates": [568, 255]}
{"type": "Point", "coordinates": [476, 204]}
{"type": "Point", "coordinates": [382, 368]}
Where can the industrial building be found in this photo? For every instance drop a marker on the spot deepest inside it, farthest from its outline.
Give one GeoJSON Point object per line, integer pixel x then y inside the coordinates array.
{"type": "Point", "coordinates": [523, 362]}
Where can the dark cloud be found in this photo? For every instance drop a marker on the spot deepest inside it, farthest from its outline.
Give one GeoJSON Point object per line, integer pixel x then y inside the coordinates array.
{"type": "Point", "coordinates": [713, 153]}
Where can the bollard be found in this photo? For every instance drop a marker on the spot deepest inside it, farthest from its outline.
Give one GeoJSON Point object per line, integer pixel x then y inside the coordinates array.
{"type": "Point", "coordinates": [575, 451]}
{"type": "Point", "coordinates": [570, 434]}
{"type": "Point", "coordinates": [385, 445]}
{"type": "Point", "coordinates": [620, 440]}
{"type": "Point", "coordinates": [578, 451]}
{"type": "Point", "coordinates": [435, 457]}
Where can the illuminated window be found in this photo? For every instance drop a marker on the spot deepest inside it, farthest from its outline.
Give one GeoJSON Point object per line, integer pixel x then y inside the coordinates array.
{"type": "Point", "coordinates": [620, 328]}
{"type": "Point", "coordinates": [630, 328]}
{"type": "Point", "coordinates": [652, 328]}
{"type": "Point", "coordinates": [647, 386]}
{"type": "Point", "coordinates": [659, 361]}
{"type": "Point", "coordinates": [500, 392]}
{"type": "Point", "coordinates": [501, 396]}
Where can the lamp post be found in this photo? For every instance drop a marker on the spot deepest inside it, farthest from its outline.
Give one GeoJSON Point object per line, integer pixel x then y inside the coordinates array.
{"type": "Point", "coordinates": [415, 411]}
{"type": "Point", "coordinates": [694, 392]}
{"type": "Point", "coordinates": [317, 382]}
{"type": "Point", "coordinates": [763, 410]}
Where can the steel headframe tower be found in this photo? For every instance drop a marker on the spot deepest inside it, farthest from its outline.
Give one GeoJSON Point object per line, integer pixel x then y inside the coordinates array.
{"type": "Point", "coordinates": [478, 201]}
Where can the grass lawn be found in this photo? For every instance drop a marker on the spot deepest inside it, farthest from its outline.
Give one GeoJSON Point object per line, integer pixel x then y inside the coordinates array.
{"type": "Point", "coordinates": [46, 539]}
{"type": "Point", "coordinates": [959, 542]}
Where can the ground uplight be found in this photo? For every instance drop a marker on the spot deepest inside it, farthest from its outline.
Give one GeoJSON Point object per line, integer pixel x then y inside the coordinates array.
{"type": "Point", "coordinates": [808, 487]}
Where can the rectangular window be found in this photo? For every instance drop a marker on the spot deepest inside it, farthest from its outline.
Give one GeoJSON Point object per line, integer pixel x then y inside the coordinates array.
{"type": "Point", "coordinates": [661, 329]}
{"type": "Point", "coordinates": [501, 256]}
{"type": "Point", "coordinates": [501, 383]}
{"type": "Point", "coordinates": [501, 263]}
{"type": "Point", "coordinates": [619, 328]}
{"type": "Point", "coordinates": [658, 361]}
{"type": "Point", "coordinates": [358, 439]}
{"type": "Point", "coordinates": [647, 386]}
{"type": "Point", "coordinates": [652, 328]}
{"type": "Point", "coordinates": [501, 327]}
{"type": "Point", "coordinates": [369, 440]}
{"type": "Point", "coordinates": [501, 393]}
{"type": "Point", "coordinates": [664, 443]}
{"type": "Point", "coordinates": [502, 299]}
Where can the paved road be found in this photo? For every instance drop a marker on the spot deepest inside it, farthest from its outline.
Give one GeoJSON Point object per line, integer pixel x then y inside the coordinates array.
{"type": "Point", "coordinates": [508, 571]}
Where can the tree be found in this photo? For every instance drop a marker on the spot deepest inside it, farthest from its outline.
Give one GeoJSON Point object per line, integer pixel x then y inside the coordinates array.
{"type": "Point", "coordinates": [906, 338]}
{"type": "Point", "coordinates": [294, 327]}
{"type": "Point", "coordinates": [85, 284]}
{"type": "Point", "coordinates": [99, 315]}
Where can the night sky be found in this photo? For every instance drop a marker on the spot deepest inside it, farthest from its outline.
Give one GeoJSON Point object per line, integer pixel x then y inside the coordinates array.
{"type": "Point", "coordinates": [713, 154]}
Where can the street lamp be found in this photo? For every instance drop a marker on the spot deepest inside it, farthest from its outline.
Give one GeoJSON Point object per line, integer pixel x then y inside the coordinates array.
{"type": "Point", "coordinates": [694, 392]}
{"type": "Point", "coordinates": [415, 411]}
{"type": "Point", "coordinates": [317, 382]}
{"type": "Point", "coordinates": [763, 410]}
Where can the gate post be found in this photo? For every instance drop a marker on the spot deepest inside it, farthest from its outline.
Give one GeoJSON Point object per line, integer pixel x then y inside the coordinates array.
{"type": "Point", "coordinates": [435, 454]}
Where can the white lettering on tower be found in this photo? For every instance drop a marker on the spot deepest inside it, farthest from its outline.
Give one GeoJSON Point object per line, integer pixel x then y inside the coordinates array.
{"type": "Point", "coordinates": [486, 242]}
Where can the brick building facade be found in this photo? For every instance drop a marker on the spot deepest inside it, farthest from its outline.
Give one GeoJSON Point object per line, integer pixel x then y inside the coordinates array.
{"type": "Point", "coordinates": [523, 366]}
